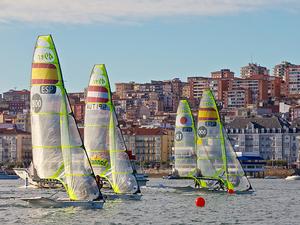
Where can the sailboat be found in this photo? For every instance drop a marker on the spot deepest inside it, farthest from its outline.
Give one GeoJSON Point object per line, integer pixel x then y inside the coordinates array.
{"type": "Point", "coordinates": [103, 138]}
{"type": "Point", "coordinates": [31, 178]}
{"type": "Point", "coordinates": [185, 164]}
{"type": "Point", "coordinates": [58, 151]}
{"type": "Point", "coordinates": [216, 158]}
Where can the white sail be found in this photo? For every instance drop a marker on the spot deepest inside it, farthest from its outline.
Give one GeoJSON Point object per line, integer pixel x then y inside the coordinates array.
{"type": "Point", "coordinates": [121, 172]}
{"type": "Point", "coordinates": [185, 141]}
{"type": "Point", "coordinates": [96, 120]}
{"type": "Point", "coordinates": [58, 151]}
{"type": "Point", "coordinates": [103, 138]}
{"type": "Point", "coordinates": [215, 156]}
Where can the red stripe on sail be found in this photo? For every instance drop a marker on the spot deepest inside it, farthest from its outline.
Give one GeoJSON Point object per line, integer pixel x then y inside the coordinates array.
{"type": "Point", "coordinates": [43, 65]}
{"type": "Point", "coordinates": [207, 109]}
{"type": "Point", "coordinates": [207, 118]}
{"type": "Point", "coordinates": [97, 88]}
{"type": "Point", "coordinates": [43, 81]}
{"type": "Point", "coordinates": [95, 99]}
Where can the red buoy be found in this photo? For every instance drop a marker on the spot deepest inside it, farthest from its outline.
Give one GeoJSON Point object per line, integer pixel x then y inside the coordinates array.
{"type": "Point", "coordinates": [200, 202]}
{"type": "Point", "coordinates": [230, 191]}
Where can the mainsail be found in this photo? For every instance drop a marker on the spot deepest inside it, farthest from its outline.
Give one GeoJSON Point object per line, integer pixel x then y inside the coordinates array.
{"type": "Point", "coordinates": [185, 141]}
{"type": "Point", "coordinates": [58, 151]}
{"type": "Point", "coordinates": [215, 156]}
{"type": "Point", "coordinates": [102, 136]}
{"type": "Point", "coordinates": [121, 173]}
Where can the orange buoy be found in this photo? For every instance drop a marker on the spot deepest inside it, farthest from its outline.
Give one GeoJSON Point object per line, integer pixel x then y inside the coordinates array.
{"type": "Point", "coordinates": [230, 191]}
{"type": "Point", "coordinates": [200, 202]}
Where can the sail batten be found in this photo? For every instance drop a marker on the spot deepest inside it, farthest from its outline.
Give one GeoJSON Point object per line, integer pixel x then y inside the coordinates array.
{"type": "Point", "coordinates": [58, 151]}
{"type": "Point", "coordinates": [215, 156]}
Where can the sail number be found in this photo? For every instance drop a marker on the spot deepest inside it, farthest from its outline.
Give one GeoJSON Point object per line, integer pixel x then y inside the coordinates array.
{"type": "Point", "coordinates": [44, 55]}
{"type": "Point", "coordinates": [97, 106]}
{"type": "Point", "coordinates": [36, 103]}
{"type": "Point", "coordinates": [202, 131]}
{"type": "Point", "coordinates": [178, 136]}
{"type": "Point", "coordinates": [48, 89]}
{"type": "Point", "coordinates": [98, 80]}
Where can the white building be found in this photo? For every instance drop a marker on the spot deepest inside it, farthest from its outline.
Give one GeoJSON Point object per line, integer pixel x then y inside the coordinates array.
{"type": "Point", "coordinates": [270, 137]}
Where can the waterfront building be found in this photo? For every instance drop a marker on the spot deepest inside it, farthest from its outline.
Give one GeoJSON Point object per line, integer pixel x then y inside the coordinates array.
{"type": "Point", "coordinates": [15, 146]}
{"type": "Point", "coordinates": [252, 163]}
{"type": "Point", "coordinates": [270, 137]}
{"type": "Point", "coordinates": [149, 145]}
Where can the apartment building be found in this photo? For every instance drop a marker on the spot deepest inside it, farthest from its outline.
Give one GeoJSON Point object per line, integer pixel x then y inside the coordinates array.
{"type": "Point", "coordinates": [253, 69]}
{"type": "Point", "coordinates": [149, 145]}
{"type": "Point", "coordinates": [270, 137]}
{"type": "Point", "coordinates": [15, 146]}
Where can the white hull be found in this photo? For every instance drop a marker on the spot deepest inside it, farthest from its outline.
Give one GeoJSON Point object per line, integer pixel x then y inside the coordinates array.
{"type": "Point", "coordinates": [23, 174]}
{"type": "Point", "coordinates": [294, 177]}
{"type": "Point", "coordinates": [42, 202]}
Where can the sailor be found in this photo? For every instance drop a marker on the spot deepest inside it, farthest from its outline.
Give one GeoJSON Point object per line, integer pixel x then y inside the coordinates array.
{"type": "Point", "coordinates": [197, 174]}
{"type": "Point", "coordinates": [197, 184]}
{"type": "Point", "coordinates": [99, 182]}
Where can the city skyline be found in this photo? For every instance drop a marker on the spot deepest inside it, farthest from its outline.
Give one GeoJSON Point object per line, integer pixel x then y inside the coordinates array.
{"type": "Point", "coordinates": [149, 40]}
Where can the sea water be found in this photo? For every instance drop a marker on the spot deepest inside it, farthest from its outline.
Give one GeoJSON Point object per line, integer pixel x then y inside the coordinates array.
{"type": "Point", "coordinates": [275, 201]}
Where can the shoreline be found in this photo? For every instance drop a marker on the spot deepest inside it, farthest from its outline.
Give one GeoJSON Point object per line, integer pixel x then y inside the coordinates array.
{"type": "Point", "coordinates": [278, 172]}
{"type": "Point", "coordinates": [154, 173]}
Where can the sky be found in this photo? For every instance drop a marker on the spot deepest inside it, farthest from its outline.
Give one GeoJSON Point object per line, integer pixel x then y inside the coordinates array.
{"type": "Point", "coordinates": [144, 40]}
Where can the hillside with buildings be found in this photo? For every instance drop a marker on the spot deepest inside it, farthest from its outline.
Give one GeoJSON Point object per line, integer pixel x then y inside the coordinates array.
{"type": "Point", "coordinates": [261, 113]}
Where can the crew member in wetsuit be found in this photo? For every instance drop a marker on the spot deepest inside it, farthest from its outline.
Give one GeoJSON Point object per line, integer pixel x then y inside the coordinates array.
{"type": "Point", "coordinates": [99, 182]}
{"type": "Point", "coordinates": [198, 174]}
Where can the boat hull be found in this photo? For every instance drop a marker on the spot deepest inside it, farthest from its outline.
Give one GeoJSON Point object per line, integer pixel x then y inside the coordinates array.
{"type": "Point", "coordinates": [9, 177]}
{"type": "Point", "coordinates": [41, 183]}
{"type": "Point", "coordinates": [42, 202]}
{"type": "Point", "coordinates": [294, 177]}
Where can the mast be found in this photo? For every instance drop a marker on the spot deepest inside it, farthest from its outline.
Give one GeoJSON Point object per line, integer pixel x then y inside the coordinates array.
{"type": "Point", "coordinates": [58, 151]}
